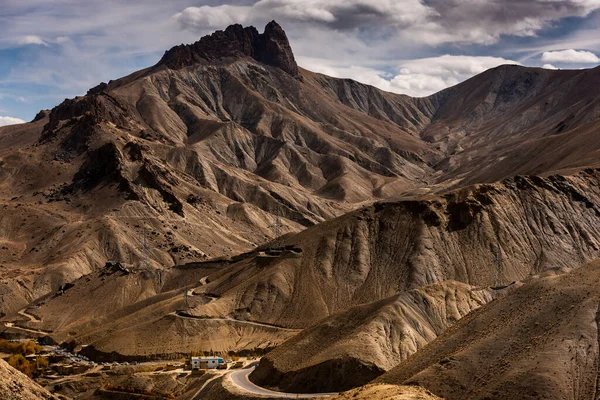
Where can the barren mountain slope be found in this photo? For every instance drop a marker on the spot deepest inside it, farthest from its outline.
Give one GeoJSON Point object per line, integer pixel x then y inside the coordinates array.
{"type": "Point", "coordinates": [350, 349]}
{"type": "Point", "coordinates": [539, 342]}
{"type": "Point", "coordinates": [146, 166]}
{"type": "Point", "coordinates": [516, 120]}
{"type": "Point", "coordinates": [16, 386]}
{"type": "Point", "coordinates": [387, 392]}
{"type": "Point", "coordinates": [196, 156]}
{"type": "Point", "coordinates": [485, 235]}
{"type": "Point", "coordinates": [482, 235]}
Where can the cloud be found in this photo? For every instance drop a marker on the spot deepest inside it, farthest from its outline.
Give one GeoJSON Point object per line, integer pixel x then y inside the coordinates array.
{"type": "Point", "coordinates": [31, 39]}
{"type": "Point", "coordinates": [206, 17]}
{"type": "Point", "coordinates": [486, 22]}
{"type": "Point", "coordinates": [61, 39]}
{"type": "Point", "coordinates": [549, 66]}
{"type": "Point", "coordinates": [373, 41]}
{"type": "Point", "coordinates": [75, 52]}
{"type": "Point", "coordinates": [369, 76]}
{"type": "Point", "coordinates": [347, 14]}
{"type": "Point", "coordinates": [431, 22]}
{"type": "Point", "coordinates": [571, 56]}
{"type": "Point", "coordinates": [10, 121]}
{"type": "Point", "coordinates": [425, 76]}
{"type": "Point", "coordinates": [36, 40]}
{"type": "Point", "coordinates": [420, 77]}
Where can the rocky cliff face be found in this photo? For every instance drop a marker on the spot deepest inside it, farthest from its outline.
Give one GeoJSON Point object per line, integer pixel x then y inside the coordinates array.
{"type": "Point", "coordinates": [271, 47]}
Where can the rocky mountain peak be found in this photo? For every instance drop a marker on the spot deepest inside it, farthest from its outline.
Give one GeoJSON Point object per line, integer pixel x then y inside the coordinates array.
{"type": "Point", "coordinates": [271, 47]}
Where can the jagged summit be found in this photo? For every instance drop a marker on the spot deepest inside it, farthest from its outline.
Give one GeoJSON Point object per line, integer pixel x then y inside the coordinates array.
{"type": "Point", "coordinates": [271, 47]}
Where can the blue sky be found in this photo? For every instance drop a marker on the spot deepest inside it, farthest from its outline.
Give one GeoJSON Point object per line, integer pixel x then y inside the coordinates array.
{"type": "Point", "coordinates": [55, 49]}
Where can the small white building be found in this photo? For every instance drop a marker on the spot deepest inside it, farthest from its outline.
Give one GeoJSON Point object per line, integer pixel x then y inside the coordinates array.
{"type": "Point", "coordinates": [206, 362]}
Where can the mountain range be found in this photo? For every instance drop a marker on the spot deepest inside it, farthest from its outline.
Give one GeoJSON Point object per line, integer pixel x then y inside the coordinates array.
{"type": "Point", "coordinates": [226, 199]}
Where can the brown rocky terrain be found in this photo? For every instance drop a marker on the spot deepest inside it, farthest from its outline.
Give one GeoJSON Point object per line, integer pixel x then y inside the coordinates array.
{"type": "Point", "coordinates": [357, 345]}
{"type": "Point", "coordinates": [539, 342]}
{"type": "Point", "coordinates": [473, 235]}
{"type": "Point", "coordinates": [140, 218]}
{"type": "Point", "coordinates": [177, 151]}
{"type": "Point", "coordinates": [387, 392]}
{"type": "Point", "coordinates": [223, 140]}
{"type": "Point", "coordinates": [514, 120]}
{"type": "Point", "coordinates": [485, 235]}
{"type": "Point", "coordinates": [127, 383]}
{"type": "Point", "coordinates": [16, 386]}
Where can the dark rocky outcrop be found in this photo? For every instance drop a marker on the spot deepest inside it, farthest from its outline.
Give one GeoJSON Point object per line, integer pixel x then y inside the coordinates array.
{"type": "Point", "coordinates": [74, 123]}
{"type": "Point", "coordinates": [97, 89]}
{"type": "Point", "coordinates": [271, 47]}
{"type": "Point", "coordinates": [274, 49]}
{"type": "Point", "coordinates": [41, 115]}
{"type": "Point", "coordinates": [104, 164]}
{"type": "Point", "coordinates": [155, 177]}
{"type": "Point", "coordinates": [64, 288]}
{"type": "Point", "coordinates": [112, 267]}
{"type": "Point", "coordinates": [341, 374]}
{"type": "Point", "coordinates": [47, 341]}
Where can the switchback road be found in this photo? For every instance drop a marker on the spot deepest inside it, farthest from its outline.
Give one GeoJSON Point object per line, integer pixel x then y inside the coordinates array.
{"type": "Point", "coordinates": [241, 381]}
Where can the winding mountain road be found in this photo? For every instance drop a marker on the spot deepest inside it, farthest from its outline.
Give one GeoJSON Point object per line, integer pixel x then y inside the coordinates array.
{"type": "Point", "coordinates": [236, 321]}
{"type": "Point", "coordinates": [241, 381]}
{"type": "Point", "coordinates": [31, 317]}
{"type": "Point", "coordinates": [37, 332]}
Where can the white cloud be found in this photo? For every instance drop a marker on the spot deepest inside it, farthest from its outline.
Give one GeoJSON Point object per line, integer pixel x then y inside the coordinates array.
{"type": "Point", "coordinates": [10, 121]}
{"type": "Point", "coordinates": [308, 10]}
{"type": "Point", "coordinates": [206, 17]}
{"type": "Point", "coordinates": [570, 56]}
{"type": "Point", "coordinates": [369, 76]}
{"type": "Point", "coordinates": [433, 22]}
{"type": "Point", "coordinates": [347, 14]}
{"type": "Point", "coordinates": [122, 37]}
{"type": "Point", "coordinates": [31, 39]}
{"type": "Point", "coordinates": [425, 76]}
{"type": "Point", "coordinates": [61, 39]}
{"type": "Point", "coordinates": [37, 40]}
{"type": "Point", "coordinates": [420, 77]}
{"type": "Point", "coordinates": [549, 66]}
